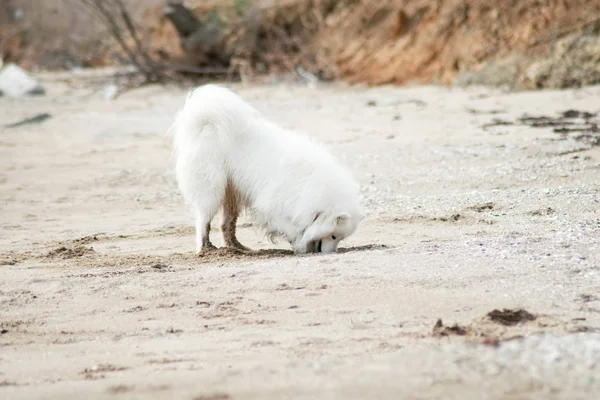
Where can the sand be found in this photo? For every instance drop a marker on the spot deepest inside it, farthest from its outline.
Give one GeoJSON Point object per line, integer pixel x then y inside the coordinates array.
{"type": "Point", "coordinates": [475, 275]}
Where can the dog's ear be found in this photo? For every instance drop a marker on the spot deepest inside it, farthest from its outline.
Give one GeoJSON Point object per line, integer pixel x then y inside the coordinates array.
{"type": "Point", "coordinates": [342, 218]}
{"type": "Point", "coordinates": [320, 227]}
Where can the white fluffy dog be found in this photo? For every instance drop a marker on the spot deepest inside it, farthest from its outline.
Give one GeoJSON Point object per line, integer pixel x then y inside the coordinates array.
{"type": "Point", "coordinates": [228, 155]}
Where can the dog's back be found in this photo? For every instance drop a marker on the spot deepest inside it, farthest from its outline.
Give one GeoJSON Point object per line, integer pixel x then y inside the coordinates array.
{"type": "Point", "coordinates": [213, 105]}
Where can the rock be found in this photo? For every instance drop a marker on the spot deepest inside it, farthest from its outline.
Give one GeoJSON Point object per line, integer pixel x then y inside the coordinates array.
{"type": "Point", "coordinates": [208, 40]}
{"type": "Point", "coordinates": [496, 73]}
{"type": "Point", "coordinates": [182, 18]}
{"type": "Point", "coordinates": [111, 91]}
{"type": "Point", "coordinates": [15, 82]}
{"type": "Point", "coordinates": [310, 79]}
{"type": "Point", "coordinates": [574, 61]}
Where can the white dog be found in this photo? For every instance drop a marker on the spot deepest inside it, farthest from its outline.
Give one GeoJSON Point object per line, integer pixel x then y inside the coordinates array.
{"type": "Point", "coordinates": [228, 155]}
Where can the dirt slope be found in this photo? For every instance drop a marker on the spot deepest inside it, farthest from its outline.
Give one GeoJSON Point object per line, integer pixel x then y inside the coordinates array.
{"type": "Point", "coordinates": [433, 41]}
{"type": "Point", "coordinates": [524, 44]}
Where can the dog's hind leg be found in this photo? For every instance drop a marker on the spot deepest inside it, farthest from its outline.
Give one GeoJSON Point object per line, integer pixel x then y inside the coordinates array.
{"type": "Point", "coordinates": [202, 236]}
{"type": "Point", "coordinates": [231, 210]}
{"type": "Point", "coordinates": [206, 203]}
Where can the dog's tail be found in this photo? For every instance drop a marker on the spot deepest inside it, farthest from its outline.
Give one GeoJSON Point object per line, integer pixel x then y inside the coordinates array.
{"type": "Point", "coordinates": [217, 106]}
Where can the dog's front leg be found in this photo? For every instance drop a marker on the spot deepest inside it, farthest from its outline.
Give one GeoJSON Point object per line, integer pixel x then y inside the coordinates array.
{"type": "Point", "coordinates": [228, 229]}
{"type": "Point", "coordinates": [231, 211]}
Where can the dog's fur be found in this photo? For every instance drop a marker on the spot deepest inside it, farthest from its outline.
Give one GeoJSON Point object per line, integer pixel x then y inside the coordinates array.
{"type": "Point", "coordinates": [228, 155]}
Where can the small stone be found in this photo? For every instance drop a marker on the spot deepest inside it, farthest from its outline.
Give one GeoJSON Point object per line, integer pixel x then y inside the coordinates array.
{"type": "Point", "coordinates": [111, 91]}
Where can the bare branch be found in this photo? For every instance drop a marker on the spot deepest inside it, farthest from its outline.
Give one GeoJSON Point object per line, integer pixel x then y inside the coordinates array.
{"type": "Point", "coordinates": [133, 32]}
{"type": "Point", "coordinates": [114, 15]}
{"type": "Point", "coordinates": [117, 19]}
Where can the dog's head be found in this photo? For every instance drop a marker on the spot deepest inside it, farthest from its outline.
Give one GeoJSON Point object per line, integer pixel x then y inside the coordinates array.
{"type": "Point", "coordinates": [326, 231]}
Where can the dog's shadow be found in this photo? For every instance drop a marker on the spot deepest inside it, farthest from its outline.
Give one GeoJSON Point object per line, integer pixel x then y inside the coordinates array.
{"type": "Point", "coordinates": [231, 254]}
{"type": "Point", "coordinates": [366, 247]}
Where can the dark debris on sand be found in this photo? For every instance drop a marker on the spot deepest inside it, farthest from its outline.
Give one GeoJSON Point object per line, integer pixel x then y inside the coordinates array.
{"type": "Point", "coordinates": [441, 330]}
{"type": "Point", "coordinates": [510, 317]}
{"type": "Point", "coordinates": [583, 125]}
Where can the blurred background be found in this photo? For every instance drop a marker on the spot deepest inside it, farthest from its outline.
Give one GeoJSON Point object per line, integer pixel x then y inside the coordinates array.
{"type": "Point", "coordinates": [523, 44]}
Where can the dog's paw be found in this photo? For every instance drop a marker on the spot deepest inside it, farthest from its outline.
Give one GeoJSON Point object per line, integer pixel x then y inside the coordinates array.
{"type": "Point", "coordinates": [209, 248]}
{"type": "Point", "coordinates": [241, 247]}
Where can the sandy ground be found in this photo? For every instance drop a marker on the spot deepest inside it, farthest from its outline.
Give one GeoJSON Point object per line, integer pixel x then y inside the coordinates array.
{"type": "Point", "coordinates": [101, 295]}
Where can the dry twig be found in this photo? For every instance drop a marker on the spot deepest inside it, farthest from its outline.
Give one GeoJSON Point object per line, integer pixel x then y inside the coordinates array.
{"type": "Point", "coordinates": [117, 19]}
